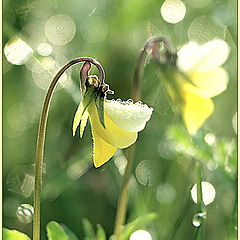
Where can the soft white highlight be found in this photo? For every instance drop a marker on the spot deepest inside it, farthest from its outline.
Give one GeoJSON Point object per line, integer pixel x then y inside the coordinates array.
{"type": "Point", "coordinates": [192, 57]}
{"type": "Point", "coordinates": [17, 51]}
{"type": "Point", "coordinates": [208, 193]}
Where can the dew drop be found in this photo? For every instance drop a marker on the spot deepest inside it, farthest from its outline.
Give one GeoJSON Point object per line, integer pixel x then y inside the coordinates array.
{"type": "Point", "coordinates": [129, 101]}
{"type": "Point", "coordinates": [25, 213]}
{"type": "Point", "coordinates": [198, 219]}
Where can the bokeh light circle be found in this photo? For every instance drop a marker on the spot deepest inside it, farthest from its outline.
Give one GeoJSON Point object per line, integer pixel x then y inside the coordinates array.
{"type": "Point", "coordinates": [234, 122]}
{"type": "Point", "coordinates": [95, 29]}
{"type": "Point", "coordinates": [140, 235]}
{"type": "Point", "coordinates": [166, 194]}
{"type": "Point", "coordinates": [60, 29]}
{"type": "Point", "coordinates": [147, 173]}
{"type": "Point", "coordinates": [203, 29]}
{"type": "Point", "coordinates": [44, 49]}
{"type": "Point", "coordinates": [208, 193]}
{"type": "Point", "coordinates": [173, 11]}
{"type": "Point", "coordinates": [198, 3]}
{"type": "Point", "coordinates": [17, 51]}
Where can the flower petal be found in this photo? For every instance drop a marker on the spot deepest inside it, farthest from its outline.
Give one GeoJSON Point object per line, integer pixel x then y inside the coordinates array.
{"type": "Point", "coordinates": [192, 58]}
{"type": "Point", "coordinates": [77, 118]}
{"type": "Point", "coordinates": [112, 134]}
{"type": "Point", "coordinates": [195, 110]}
{"type": "Point", "coordinates": [210, 83]}
{"type": "Point", "coordinates": [83, 123]}
{"type": "Point", "coordinates": [102, 151]}
{"type": "Point", "coordinates": [127, 115]}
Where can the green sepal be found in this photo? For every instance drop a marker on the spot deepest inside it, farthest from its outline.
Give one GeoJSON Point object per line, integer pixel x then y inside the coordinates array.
{"type": "Point", "coordinates": [88, 97]}
{"type": "Point", "coordinates": [99, 101]}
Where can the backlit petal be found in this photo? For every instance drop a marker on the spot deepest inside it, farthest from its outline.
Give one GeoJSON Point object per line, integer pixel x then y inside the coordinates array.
{"type": "Point", "coordinates": [112, 134]}
{"type": "Point", "coordinates": [102, 151]}
{"type": "Point", "coordinates": [77, 118]}
{"type": "Point", "coordinates": [195, 110]}
{"type": "Point", "coordinates": [210, 83]}
{"type": "Point", "coordinates": [83, 123]}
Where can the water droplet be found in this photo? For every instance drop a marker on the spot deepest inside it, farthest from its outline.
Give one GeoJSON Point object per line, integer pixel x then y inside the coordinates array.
{"type": "Point", "coordinates": [119, 100]}
{"type": "Point", "coordinates": [25, 213]}
{"type": "Point", "coordinates": [198, 219]}
{"type": "Point", "coordinates": [129, 101]}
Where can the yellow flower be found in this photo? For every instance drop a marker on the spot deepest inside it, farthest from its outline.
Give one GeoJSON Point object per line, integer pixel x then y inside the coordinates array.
{"type": "Point", "coordinates": [204, 78]}
{"type": "Point", "coordinates": [122, 122]}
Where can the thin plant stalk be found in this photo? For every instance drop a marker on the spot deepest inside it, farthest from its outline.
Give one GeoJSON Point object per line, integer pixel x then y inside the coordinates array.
{"type": "Point", "coordinates": [136, 96]}
{"type": "Point", "coordinates": [200, 204]}
{"type": "Point", "coordinates": [41, 139]}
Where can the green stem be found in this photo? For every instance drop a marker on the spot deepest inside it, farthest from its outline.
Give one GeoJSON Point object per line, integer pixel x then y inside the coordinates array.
{"type": "Point", "coordinates": [41, 139]}
{"type": "Point", "coordinates": [123, 199]}
{"type": "Point", "coordinates": [136, 95]}
{"type": "Point", "coordinates": [200, 204]}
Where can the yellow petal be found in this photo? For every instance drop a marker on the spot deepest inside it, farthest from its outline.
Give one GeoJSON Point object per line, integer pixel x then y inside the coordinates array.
{"type": "Point", "coordinates": [195, 109]}
{"type": "Point", "coordinates": [83, 123]}
{"type": "Point", "coordinates": [77, 118]}
{"type": "Point", "coordinates": [112, 134]}
{"type": "Point", "coordinates": [102, 151]}
{"type": "Point", "coordinates": [210, 83]}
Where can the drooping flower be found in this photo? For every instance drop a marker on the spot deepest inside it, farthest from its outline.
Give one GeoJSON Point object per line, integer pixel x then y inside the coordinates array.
{"type": "Point", "coordinates": [200, 78]}
{"type": "Point", "coordinates": [114, 124]}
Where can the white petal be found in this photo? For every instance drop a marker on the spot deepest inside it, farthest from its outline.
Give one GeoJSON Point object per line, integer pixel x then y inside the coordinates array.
{"type": "Point", "coordinates": [188, 56]}
{"type": "Point", "coordinates": [127, 115]}
{"type": "Point", "coordinates": [193, 58]}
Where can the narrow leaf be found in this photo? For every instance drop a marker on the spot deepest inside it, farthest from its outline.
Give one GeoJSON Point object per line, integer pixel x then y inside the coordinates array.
{"type": "Point", "coordinates": [101, 235]}
{"type": "Point", "coordinates": [88, 229]}
{"type": "Point", "coordinates": [56, 232]}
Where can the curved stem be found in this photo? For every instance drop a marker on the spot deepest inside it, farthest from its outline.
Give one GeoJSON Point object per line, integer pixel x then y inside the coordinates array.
{"type": "Point", "coordinates": [41, 138]}
{"type": "Point", "coordinates": [136, 95]}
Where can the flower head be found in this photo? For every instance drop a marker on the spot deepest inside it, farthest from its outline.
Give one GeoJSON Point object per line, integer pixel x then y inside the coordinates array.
{"type": "Point", "coordinates": [200, 78]}
{"type": "Point", "coordinates": [114, 124]}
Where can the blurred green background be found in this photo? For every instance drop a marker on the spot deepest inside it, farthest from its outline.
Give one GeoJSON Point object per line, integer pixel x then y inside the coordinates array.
{"type": "Point", "coordinates": [113, 31]}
